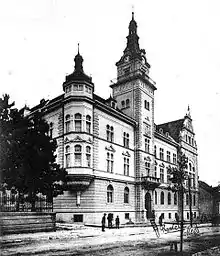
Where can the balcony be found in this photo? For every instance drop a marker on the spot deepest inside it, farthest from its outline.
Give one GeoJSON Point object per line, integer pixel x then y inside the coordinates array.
{"type": "Point", "coordinates": [150, 182]}
{"type": "Point", "coordinates": [79, 178]}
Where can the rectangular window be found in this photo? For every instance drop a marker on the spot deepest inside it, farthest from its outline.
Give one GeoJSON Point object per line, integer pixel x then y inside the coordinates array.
{"type": "Point", "coordinates": [147, 145]}
{"type": "Point", "coordinates": [174, 158]}
{"type": "Point", "coordinates": [161, 175]}
{"type": "Point", "coordinates": [155, 171]}
{"type": "Point", "coordinates": [161, 154]}
{"type": "Point", "coordinates": [126, 166]}
{"type": "Point", "coordinates": [110, 133]}
{"type": "Point", "coordinates": [169, 215]}
{"type": "Point", "coordinates": [127, 216]}
{"type": "Point", "coordinates": [168, 156]}
{"type": "Point", "coordinates": [77, 87]}
{"type": "Point", "coordinates": [78, 159]}
{"type": "Point", "coordinates": [126, 140]}
{"type": "Point", "coordinates": [110, 162]}
{"type": "Point", "coordinates": [147, 168]}
{"type": "Point", "coordinates": [147, 130]}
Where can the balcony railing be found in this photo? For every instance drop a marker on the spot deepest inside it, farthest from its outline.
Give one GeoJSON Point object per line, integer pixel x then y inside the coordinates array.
{"type": "Point", "coordinates": [150, 182]}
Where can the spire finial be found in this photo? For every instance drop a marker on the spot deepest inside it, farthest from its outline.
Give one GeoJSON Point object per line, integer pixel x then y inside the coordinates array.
{"type": "Point", "coordinates": [78, 48]}
{"type": "Point", "coordinates": [132, 12]}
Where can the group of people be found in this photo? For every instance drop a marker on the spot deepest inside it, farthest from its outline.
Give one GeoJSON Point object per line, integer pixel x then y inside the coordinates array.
{"type": "Point", "coordinates": [110, 219]}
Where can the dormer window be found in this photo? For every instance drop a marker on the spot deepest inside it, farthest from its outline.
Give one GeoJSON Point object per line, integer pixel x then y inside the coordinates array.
{"type": "Point", "coordinates": [127, 103]}
{"type": "Point", "coordinates": [123, 104]}
{"type": "Point", "coordinates": [68, 88]}
{"type": "Point", "coordinates": [113, 105]}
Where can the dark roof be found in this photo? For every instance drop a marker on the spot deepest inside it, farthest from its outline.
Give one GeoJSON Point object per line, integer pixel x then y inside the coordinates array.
{"type": "Point", "coordinates": [205, 186]}
{"type": "Point", "coordinates": [173, 128]}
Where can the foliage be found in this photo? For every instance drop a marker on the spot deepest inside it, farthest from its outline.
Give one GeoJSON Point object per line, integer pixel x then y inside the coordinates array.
{"type": "Point", "coordinates": [27, 153]}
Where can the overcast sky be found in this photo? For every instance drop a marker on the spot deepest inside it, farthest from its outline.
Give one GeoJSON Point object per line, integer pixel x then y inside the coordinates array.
{"type": "Point", "coordinates": [182, 42]}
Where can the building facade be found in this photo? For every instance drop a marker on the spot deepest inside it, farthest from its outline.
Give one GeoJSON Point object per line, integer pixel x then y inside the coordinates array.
{"type": "Point", "coordinates": [117, 158]}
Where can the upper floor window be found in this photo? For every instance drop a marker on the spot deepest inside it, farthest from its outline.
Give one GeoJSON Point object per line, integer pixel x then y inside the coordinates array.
{"type": "Point", "coordinates": [88, 156]}
{"type": "Point", "coordinates": [175, 198]}
{"type": "Point", "coordinates": [169, 198]}
{"type": "Point", "coordinates": [155, 197]}
{"type": "Point", "coordinates": [126, 139]}
{"type": "Point", "coordinates": [88, 124]}
{"type": "Point", "coordinates": [78, 122]}
{"type": "Point", "coordinates": [187, 199]}
{"type": "Point", "coordinates": [67, 156]}
{"type": "Point", "coordinates": [51, 130]}
{"type": "Point", "coordinates": [194, 200]}
{"type": "Point", "coordinates": [123, 104]}
{"type": "Point", "coordinates": [127, 103]}
{"type": "Point", "coordinates": [161, 153]}
{"type": "Point", "coordinates": [161, 175]}
{"type": "Point", "coordinates": [147, 130]}
{"type": "Point", "coordinates": [190, 167]}
{"type": "Point", "coordinates": [88, 89]}
{"type": "Point", "coordinates": [110, 162]}
{"type": "Point", "coordinates": [168, 156]}
{"type": "Point", "coordinates": [155, 151]}
{"type": "Point", "coordinates": [147, 105]}
{"type": "Point", "coordinates": [126, 166]}
{"type": "Point", "coordinates": [168, 176]}
{"type": "Point", "coordinates": [110, 133]}
{"type": "Point", "coordinates": [162, 197]}
{"type": "Point", "coordinates": [78, 155]}
{"type": "Point", "coordinates": [110, 194]}
{"type": "Point", "coordinates": [147, 168]}
{"type": "Point", "coordinates": [126, 195]}
{"type": "Point", "coordinates": [67, 123]}
{"type": "Point", "coordinates": [147, 145]}
{"type": "Point", "coordinates": [155, 171]}
{"type": "Point", "coordinates": [174, 158]}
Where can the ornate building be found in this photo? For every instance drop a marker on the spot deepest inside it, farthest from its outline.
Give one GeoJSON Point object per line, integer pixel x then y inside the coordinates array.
{"type": "Point", "coordinates": [116, 157]}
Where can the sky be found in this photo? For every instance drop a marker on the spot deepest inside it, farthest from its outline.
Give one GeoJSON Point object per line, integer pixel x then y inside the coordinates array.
{"type": "Point", "coordinates": [38, 43]}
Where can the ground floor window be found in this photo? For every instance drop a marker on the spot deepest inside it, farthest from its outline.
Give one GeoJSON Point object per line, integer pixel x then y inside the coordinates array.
{"type": "Point", "coordinates": [187, 215]}
{"type": "Point", "coordinates": [127, 216]}
{"type": "Point", "coordinates": [78, 218]}
{"type": "Point", "coordinates": [169, 215]}
{"type": "Point", "coordinates": [194, 215]}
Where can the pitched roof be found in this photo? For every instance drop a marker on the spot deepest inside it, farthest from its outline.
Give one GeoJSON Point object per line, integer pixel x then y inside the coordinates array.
{"type": "Point", "coordinates": [173, 128]}
{"type": "Point", "coordinates": [205, 186]}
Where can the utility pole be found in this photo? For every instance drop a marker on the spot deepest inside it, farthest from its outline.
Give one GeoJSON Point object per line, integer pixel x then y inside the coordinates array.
{"type": "Point", "coordinates": [190, 201]}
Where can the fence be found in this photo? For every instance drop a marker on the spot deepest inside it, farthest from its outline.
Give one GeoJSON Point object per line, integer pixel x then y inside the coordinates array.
{"type": "Point", "coordinates": [14, 203]}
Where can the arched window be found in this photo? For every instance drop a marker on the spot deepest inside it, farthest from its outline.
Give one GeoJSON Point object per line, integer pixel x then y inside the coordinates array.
{"type": "Point", "coordinates": [88, 156]}
{"type": "Point", "coordinates": [67, 123]}
{"type": "Point", "coordinates": [78, 122]}
{"type": "Point", "coordinates": [123, 104]}
{"type": "Point", "coordinates": [88, 124]}
{"type": "Point", "coordinates": [67, 156]}
{"type": "Point", "coordinates": [78, 155]}
{"type": "Point", "coordinates": [127, 103]}
{"type": "Point", "coordinates": [169, 198]}
{"type": "Point", "coordinates": [110, 133]}
{"type": "Point", "coordinates": [126, 195]}
{"type": "Point", "coordinates": [110, 194]}
{"type": "Point", "coordinates": [162, 197]}
{"type": "Point", "coordinates": [175, 198]}
{"type": "Point", "coordinates": [155, 151]}
{"type": "Point", "coordinates": [155, 197]}
{"type": "Point", "coordinates": [187, 199]}
{"type": "Point", "coordinates": [190, 167]}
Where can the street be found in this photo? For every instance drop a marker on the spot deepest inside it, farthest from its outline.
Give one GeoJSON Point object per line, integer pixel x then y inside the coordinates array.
{"type": "Point", "coordinates": [91, 241]}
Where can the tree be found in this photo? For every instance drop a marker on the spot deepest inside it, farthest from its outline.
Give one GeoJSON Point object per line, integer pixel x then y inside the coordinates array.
{"type": "Point", "coordinates": [178, 176]}
{"type": "Point", "coordinates": [28, 157]}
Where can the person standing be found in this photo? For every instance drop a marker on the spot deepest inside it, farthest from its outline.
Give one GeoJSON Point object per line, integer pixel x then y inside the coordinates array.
{"type": "Point", "coordinates": [117, 222]}
{"type": "Point", "coordinates": [103, 222]}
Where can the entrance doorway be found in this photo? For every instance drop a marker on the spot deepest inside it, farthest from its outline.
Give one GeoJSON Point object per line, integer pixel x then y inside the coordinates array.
{"type": "Point", "coordinates": [148, 206]}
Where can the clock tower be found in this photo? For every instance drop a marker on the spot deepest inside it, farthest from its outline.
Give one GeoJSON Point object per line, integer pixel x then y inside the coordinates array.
{"type": "Point", "coordinates": [134, 92]}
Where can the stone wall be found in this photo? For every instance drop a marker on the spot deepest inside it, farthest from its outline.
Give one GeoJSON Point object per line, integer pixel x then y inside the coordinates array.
{"type": "Point", "coordinates": [25, 222]}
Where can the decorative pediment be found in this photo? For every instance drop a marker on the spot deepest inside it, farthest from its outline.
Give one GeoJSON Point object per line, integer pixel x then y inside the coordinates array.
{"type": "Point", "coordinates": [126, 154]}
{"type": "Point", "coordinates": [78, 139]}
{"type": "Point", "coordinates": [110, 148]}
{"type": "Point", "coordinates": [162, 165]}
{"type": "Point", "coordinates": [147, 159]}
{"type": "Point", "coordinates": [66, 140]}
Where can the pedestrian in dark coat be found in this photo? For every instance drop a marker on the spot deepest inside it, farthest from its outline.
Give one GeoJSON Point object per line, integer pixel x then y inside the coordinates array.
{"type": "Point", "coordinates": [103, 222]}
{"type": "Point", "coordinates": [117, 222]}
